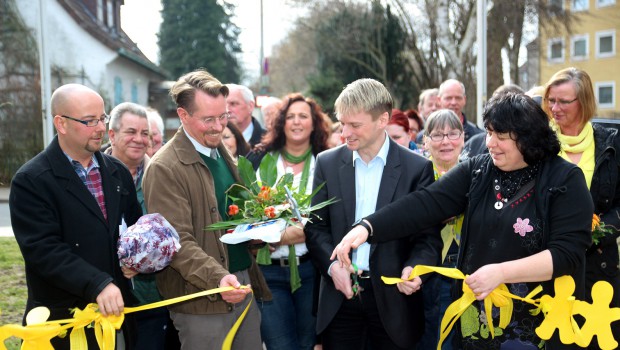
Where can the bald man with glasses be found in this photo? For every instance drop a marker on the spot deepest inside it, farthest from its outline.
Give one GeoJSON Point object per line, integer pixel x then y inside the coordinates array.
{"type": "Point", "coordinates": [66, 207]}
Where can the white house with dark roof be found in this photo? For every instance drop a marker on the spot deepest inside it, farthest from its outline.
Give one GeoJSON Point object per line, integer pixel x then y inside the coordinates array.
{"type": "Point", "coordinates": [85, 44]}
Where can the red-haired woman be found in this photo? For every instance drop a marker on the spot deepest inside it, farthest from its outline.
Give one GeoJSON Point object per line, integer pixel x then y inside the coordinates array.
{"type": "Point", "coordinates": [299, 132]}
{"type": "Point", "coordinates": [398, 129]}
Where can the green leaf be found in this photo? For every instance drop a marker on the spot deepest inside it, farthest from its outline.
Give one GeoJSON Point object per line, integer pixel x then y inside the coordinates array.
{"type": "Point", "coordinates": [246, 172]}
{"type": "Point", "coordinates": [268, 170]}
{"type": "Point", "coordinates": [230, 224]}
{"type": "Point", "coordinates": [323, 204]}
{"type": "Point", "coordinates": [237, 192]}
{"type": "Point", "coordinates": [308, 198]}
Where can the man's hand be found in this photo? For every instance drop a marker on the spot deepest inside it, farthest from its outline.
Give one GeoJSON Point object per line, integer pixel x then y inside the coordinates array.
{"type": "Point", "coordinates": [352, 240]}
{"type": "Point", "coordinates": [236, 295]}
{"type": "Point", "coordinates": [409, 287]}
{"type": "Point", "coordinates": [110, 301]}
{"type": "Point", "coordinates": [485, 280]}
{"type": "Point", "coordinates": [342, 279]}
{"type": "Point", "coordinates": [128, 273]}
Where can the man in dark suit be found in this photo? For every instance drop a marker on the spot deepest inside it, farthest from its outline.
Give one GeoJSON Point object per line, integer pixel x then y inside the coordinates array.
{"type": "Point", "coordinates": [66, 207]}
{"type": "Point", "coordinates": [368, 173]}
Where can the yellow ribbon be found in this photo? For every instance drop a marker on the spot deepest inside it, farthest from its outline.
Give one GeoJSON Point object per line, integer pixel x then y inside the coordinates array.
{"type": "Point", "coordinates": [499, 297]}
{"type": "Point", "coordinates": [38, 332]}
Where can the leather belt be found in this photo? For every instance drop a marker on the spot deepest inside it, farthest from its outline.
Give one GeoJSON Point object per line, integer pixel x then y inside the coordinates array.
{"type": "Point", "coordinates": [285, 262]}
{"type": "Point", "coordinates": [451, 258]}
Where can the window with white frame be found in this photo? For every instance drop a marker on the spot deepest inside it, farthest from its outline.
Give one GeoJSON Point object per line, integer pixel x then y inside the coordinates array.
{"type": "Point", "coordinates": [110, 11]}
{"type": "Point", "coordinates": [579, 5]}
{"type": "Point", "coordinates": [604, 3]}
{"type": "Point", "coordinates": [555, 50]}
{"type": "Point", "coordinates": [100, 10]}
{"type": "Point", "coordinates": [606, 43]}
{"type": "Point", "coordinates": [605, 94]}
{"type": "Point", "coordinates": [579, 47]}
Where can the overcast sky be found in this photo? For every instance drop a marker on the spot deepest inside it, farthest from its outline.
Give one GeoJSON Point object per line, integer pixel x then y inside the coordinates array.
{"type": "Point", "coordinates": [141, 20]}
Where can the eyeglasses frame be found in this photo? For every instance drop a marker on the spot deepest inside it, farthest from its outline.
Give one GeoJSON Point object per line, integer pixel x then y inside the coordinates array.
{"type": "Point", "coordinates": [430, 136]}
{"type": "Point", "coordinates": [105, 119]}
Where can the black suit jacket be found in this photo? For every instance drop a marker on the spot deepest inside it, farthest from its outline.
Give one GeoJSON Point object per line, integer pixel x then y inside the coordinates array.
{"type": "Point", "coordinates": [257, 133]}
{"type": "Point", "coordinates": [405, 171]}
{"type": "Point", "coordinates": [69, 248]}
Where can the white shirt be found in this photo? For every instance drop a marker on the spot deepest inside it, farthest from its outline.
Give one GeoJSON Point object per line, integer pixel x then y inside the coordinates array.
{"type": "Point", "coordinates": [199, 147]}
{"type": "Point", "coordinates": [247, 133]}
{"type": "Point", "coordinates": [367, 182]}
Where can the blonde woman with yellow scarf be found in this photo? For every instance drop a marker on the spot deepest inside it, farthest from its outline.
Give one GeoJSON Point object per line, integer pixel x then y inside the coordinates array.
{"type": "Point", "coordinates": [570, 103]}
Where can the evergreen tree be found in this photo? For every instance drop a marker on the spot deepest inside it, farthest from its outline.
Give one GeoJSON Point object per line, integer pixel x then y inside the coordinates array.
{"type": "Point", "coordinates": [199, 33]}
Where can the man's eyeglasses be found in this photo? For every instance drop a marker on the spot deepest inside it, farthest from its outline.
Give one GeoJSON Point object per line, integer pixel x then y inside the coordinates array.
{"type": "Point", "coordinates": [452, 135]}
{"type": "Point", "coordinates": [223, 119]}
{"type": "Point", "coordinates": [562, 103]}
{"type": "Point", "coordinates": [90, 122]}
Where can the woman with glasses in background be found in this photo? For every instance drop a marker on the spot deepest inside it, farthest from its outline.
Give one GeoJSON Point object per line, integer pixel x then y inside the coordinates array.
{"type": "Point", "coordinates": [570, 103]}
{"type": "Point", "coordinates": [443, 140]}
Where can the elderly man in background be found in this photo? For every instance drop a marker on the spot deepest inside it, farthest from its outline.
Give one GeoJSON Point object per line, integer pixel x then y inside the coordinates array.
{"type": "Point", "coordinates": [452, 96]}
{"type": "Point", "coordinates": [428, 103]}
{"type": "Point", "coordinates": [156, 126]}
{"type": "Point", "coordinates": [67, 204]}
{"type": "Point", "coordinates": [240, 105]}
{"type": "Point", "coordinates": [129, 141]}
{"type": "Point", "coordinates": [186, 181]}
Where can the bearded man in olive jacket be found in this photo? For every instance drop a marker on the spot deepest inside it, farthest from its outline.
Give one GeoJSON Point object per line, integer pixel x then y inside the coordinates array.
{"type": "Point", "coordinates": [186, 183]}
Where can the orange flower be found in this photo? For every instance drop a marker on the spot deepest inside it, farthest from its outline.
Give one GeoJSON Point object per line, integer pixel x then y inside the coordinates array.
{"type": "Point", "coordinates": [270, 212]}
{"type": "Point", "coordinates": [233, 210]}
{"type": "Point", "coordinates": [596, 221]}
{"type": "Point", "coordinates": [265, 193]}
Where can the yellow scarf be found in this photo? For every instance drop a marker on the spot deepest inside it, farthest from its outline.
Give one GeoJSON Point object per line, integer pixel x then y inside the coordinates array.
{"type": "Point", "coordinates": [452, 230]}
{"type": "Point", "coordinates": [582, 143]}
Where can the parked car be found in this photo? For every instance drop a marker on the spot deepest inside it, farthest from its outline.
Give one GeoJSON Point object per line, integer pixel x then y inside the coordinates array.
{"type": "Point", "coordinates": [609, 123]}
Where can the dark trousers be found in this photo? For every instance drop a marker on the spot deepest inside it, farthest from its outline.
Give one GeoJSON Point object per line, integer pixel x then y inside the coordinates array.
{"type": "Point", "coordinates": [357, 325]}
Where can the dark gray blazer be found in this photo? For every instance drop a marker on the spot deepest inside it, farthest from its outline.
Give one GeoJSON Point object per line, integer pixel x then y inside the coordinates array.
{"type": "Point", "coordinates": [404, 172]}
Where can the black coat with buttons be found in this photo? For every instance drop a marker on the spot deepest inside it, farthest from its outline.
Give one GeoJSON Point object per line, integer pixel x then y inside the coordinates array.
{"type": "Point", "coordinates": [602, 262]}
{"type": "Point", "coordinates": [69, 248]}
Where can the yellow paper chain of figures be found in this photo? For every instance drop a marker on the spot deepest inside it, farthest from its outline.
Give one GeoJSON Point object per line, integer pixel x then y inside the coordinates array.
{"type": "Point", "coordinates": [558, 310]}
{"type": "Point", "coordinates": [38, 332]}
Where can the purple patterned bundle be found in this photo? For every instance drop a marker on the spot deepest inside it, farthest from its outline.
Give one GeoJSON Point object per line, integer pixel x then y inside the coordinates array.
{"type": "Point", "coordinates": [149, 245]}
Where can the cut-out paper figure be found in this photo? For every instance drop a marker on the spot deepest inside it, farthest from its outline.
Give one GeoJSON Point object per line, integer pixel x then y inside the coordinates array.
{"type": "Point", "coordinates": [599, 317]}
{"type": "Point", "coordinates": [558, 311]}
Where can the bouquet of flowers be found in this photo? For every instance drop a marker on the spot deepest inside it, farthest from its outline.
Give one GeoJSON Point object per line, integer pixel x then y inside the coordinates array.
{"type": "Point", "coordinates": [256, 204]}
{"type": "Point", "coordinates": [599, 229]}
{"type": "Point", "coordinates": [148, 245]}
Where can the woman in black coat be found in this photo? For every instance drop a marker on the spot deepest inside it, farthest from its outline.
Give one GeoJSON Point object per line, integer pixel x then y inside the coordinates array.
{"type": "Point", "coordinates": [570, 103]}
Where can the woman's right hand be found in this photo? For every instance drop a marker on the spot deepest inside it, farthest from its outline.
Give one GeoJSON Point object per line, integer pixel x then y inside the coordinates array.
{"type": "Point", "coordinates": [352, 240]}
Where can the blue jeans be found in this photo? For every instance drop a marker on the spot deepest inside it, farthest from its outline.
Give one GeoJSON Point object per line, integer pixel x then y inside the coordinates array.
{"type": "Point", "coordinates": [287, 320]}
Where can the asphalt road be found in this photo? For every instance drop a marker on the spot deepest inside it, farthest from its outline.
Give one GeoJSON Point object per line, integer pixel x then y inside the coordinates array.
{"type": "Point", "coordinates": [5, 220]}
